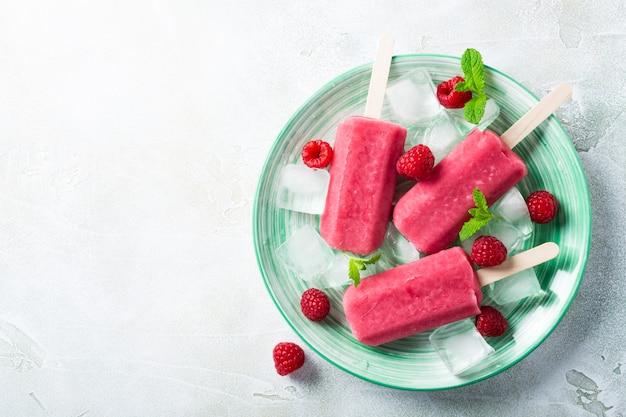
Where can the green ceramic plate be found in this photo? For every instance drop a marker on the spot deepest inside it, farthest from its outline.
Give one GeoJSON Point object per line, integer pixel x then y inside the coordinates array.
{"type": "Point", "coordinates": [411, 363]}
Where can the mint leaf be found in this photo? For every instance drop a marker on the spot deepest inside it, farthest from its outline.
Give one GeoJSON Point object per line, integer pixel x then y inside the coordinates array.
{"type": "Point", "coordinates": [480, 199]}
{"type": "Point", "coordinates": [475, 108]}
{"type": "Point", "coordinates": [372, 260]}
{"type": "Point", "coordinates": [353, 272]}
{"type": "Point", "coordinates": [480, 216]}
{"type": "Point", "coordinates": [461, 86]}
{"type": "Point", "coordinates": [355, 265]}
{"type": "Point", "coordinates": [473, 69]}
{"type": "Point", "coordinates": [474, 75]}
{"type": "Point", "coordinates": [472, 226]}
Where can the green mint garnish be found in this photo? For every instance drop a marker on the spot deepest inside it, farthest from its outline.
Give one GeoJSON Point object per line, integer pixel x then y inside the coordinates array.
{"type": "Point", "coordinates": [474, 75]}
{"type": "Point", "coordinates": [356, 265]}
{"type": "Point", "coordinates": [480, 216]}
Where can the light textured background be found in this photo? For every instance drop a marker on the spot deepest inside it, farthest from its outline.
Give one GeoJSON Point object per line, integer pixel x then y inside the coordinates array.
{"type": "Point", "coordinates": [132, 135]}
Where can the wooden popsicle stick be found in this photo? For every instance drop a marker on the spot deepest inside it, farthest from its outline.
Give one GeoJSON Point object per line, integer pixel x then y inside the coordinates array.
{"type": "Point", "coordinates": [380, 74]}
{"type": "Point", "coordinates": [517, 263]}
{"type": "Point", "coordinates": [540, 112]}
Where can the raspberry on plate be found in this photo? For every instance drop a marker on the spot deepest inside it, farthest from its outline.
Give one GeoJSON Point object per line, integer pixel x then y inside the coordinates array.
{"type": "Point", "coordinates": [287, 357]}
{"type": "Point", "coordinates": [314, 304]}
{"type": "Point", "coordinates": [542, 206]}
{"type": "Point", "coordinates": [317, 154]}
{"type": "Point", "coordinates": [488, 251]}
{"type": "Point", "coordinates": [449, 97]}
{"type": "Point", "coordinates": [417, 163]}
{"type": "Point", "coordinates": [490, 322]}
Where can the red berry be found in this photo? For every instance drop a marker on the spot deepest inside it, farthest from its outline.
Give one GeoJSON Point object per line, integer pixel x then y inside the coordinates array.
{"type": "Point", "coordinates": [449, 97]}
{"type": "Point", "coordinates": [488, 251]}
{"type": "Point", "coordinates": [542, 206]}
{"type": "Point", "coordinates": [417, 163]}
{"type": "Point", "coordinates": [317, 154]}
{"type": "Point", "coordinates": [314, 304]}
{"type": "Point", "coordinates": [287, 357]}
{"type": "Point", "coordinates": [490, 322]}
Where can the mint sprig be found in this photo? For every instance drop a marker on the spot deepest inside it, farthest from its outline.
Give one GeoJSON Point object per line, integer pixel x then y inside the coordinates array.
{"type": "Point", "coordinates": [474, 75]}
{"type": "Point", "coordinates": [480, 216]}
{"type": "Point", "coordinates": [356, 265]}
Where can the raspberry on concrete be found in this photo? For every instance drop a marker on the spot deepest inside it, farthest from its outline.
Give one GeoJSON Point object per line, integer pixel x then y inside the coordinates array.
{"type": "Point", "coordinates": [287, 357]}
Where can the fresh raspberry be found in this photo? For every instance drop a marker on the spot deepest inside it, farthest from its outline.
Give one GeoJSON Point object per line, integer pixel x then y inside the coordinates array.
{"type": "Point", "coordinates": [317, 154]}
{"type": "Point", "coordinates": [314, 304]}
{"type": "Point", "coordinates": [542, 206]}
{"type": "Point", "coordinates": [287, 357]}
{"type": "Point", "coordinates": [449, 97]}
{"type": "Point", "coordinates": [488, 251]}
{"type": "Point", "coordinates": [490, 322]}
{"type": "Point", "coordinates": [417, 163]}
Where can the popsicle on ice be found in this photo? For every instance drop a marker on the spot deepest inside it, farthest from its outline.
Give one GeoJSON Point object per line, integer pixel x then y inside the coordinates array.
{"type": "Point", "coordinates": [430, 292]}
{"type": "Point", "coordinates": [431, 214]}
{"type": "Point", "coordinates": [363, 173]}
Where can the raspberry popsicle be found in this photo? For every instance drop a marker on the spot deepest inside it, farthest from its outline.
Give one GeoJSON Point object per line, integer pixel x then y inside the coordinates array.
{"type": "Point", "coordinates": [363, 173]}
{"type": "Point", "coordinates": [431, 214]}
{"type": "Point", "coordinates": [427, 293]}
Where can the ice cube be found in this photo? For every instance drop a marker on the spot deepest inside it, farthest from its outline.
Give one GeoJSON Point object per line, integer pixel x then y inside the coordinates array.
{"type": "Point", "coordinates": [337, 273]}
{"type": "Point", "coordinates": [414, 136]}
{"type": "Point", "coordinates": [459, 345]}
{"type": "Point", "coordinates": [396, 249]}
{"type": "Point", "coordinates": [441, 136]}
{"type": "Point", "coordinates": [512, 207]}
{"type": "Point", "coordinates": [512, 239]}
{"type": "Point", "coordinates": [492, 111]}
{"type": "Point", "coordinates": [303, 189]}
{"type": "Point", "coordinates": [467, 243]}
{"type": "Point", "coordinates": [516, 287]}
{"type": "Point", "coordinates": [306, 254]}
{"type": "Point", "coordinates": [413, 98]}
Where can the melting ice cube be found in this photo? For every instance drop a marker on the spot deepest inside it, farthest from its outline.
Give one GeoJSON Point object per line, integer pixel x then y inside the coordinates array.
{"type": "Point", "coordinates": [459, 345]}
{"type": "Point", "coordinates": [512, 207]}
{"type": "Point", "coordinates": [305, 253]}
{"type": "Point", "coordinates": [513, 229]}
{"type": "Point", "coordinates": [516, 287]}
{"type": "Point", "coordinates": [303, 189]}
{"type": "Point", "coordinates": [413, 98]}
{"type": "Point", "coordinates": [337, 273]}
{"type": "Point", "coordinates": [396, 249]}
{"type": "Point", "coordinates": [441, 136]}
{"type": "Point", "coordinates": [512, 239]}
{"type": "Point", "coordinates": [467, 243]}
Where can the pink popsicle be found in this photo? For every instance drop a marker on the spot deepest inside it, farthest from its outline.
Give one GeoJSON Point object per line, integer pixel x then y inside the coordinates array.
{"type": "Point", "coordinates": [414, 297]}
{"type": "Point", "coordinates": [362, 182]}
{"type": "Point", "coordinates": [430, 292]}
{"type": "Point", "coordinates": [432, 213]}
{"type": "Point", "coordinates": [363, 171]}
